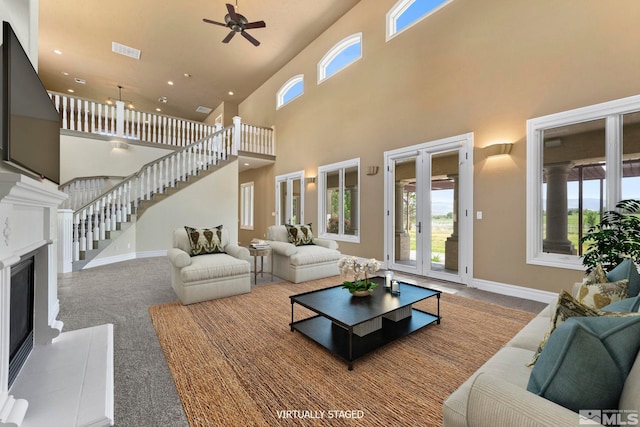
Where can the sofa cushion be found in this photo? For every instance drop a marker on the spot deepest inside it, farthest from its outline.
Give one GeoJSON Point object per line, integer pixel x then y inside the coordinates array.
{"type": "Point", "coordinates": [312, 254]}
{"type": "Point", "coordinates": [586, 361]}
{"type": "Point", "coordinates": [597, 295]}
{"type": "Point", "coordinates": [299, 235]}
{"type": "Point", "coordinates": [205, 241]}
{"type": "Point", "coordinates": [626, 270]}
{"type": "Point", "coordinates": [207, 267]}
{"type": "Point", "coordinates": [627, 305]}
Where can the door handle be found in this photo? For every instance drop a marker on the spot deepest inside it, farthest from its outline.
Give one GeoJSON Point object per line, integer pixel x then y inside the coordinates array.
{"type": "Point", "coordinates": [419, 226]}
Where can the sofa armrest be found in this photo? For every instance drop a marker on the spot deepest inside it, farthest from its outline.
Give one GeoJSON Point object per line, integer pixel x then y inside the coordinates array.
{"type": "Point", "coordinates": [327, 243]}
{"type": "Point", "coordinates": [239, 252]}
{"type": "Point", "coordinates": [178, 257]}
{"type": "Point", "coordinates": [496, 402]}
{"type": "Point", "coordinates": [282, 248]}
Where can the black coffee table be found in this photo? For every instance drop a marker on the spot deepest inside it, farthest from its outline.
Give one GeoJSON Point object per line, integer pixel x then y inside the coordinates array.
{"type": "Point", "coordinates": [351, 327]}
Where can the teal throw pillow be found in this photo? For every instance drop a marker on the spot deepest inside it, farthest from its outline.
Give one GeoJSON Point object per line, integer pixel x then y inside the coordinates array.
{"type": "Point", "coordinates": [626, 270]}
{"type": "Point", "coordinates": [586, 361]}
{"type": "Point", "coordinates": [627, 305]}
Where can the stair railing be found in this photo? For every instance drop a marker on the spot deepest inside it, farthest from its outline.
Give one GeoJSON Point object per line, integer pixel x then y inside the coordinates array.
{"type": "Point", "coordinates": [93, 221]}
{"type": "Point", "coordinates": [82, 190]}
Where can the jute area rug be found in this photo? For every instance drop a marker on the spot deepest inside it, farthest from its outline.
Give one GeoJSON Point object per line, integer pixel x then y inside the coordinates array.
{"type": "Point", "coordinates": [235, 362]}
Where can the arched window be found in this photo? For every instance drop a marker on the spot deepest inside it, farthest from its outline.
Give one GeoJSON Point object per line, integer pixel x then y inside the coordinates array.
{"type": "Point", "coordinates": [405, 13]}
{"type": "Point", "coordinates": [344, 53]}
{"type": "Point", "coordinates": [293, 88]}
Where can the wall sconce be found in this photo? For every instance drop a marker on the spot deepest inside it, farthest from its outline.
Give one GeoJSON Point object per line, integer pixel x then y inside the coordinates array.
{"type": "Point", "coordinates": [310, 180]}
{"type": "Point", "coordinates": [498, 149]}
{"type": "Point", "coordinates": [372, 170]}
{"type": "Point", "coordinates": [120, 144]}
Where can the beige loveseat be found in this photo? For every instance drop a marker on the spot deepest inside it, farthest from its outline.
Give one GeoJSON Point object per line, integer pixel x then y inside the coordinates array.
{"type": "Point", "coordinates": [205, 277]}
{"type": "Point", "coordinates": [496, 394]}
{"type": "Point", "coordinates": [301, 263]}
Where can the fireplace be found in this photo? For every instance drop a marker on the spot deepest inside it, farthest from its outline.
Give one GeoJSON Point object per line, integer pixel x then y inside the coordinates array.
{"type": "Point", "coordinates": [21, 315]}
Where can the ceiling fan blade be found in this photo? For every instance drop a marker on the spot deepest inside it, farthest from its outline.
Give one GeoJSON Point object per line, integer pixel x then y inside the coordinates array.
{"type": "Point", "coordinates": [232, 13]}
{"type": "Point", "coordinates": [229, 37]}
{"type": "Point", "coordinates": [251, 39]}
{"type": "Point", "coordinates": [257, 24]}
{"type": "Point", "coordinates": [209, 21]}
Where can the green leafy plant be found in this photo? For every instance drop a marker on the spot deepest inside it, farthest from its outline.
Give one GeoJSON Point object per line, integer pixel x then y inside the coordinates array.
{"type": "Point", "coordinates": [615, 238]}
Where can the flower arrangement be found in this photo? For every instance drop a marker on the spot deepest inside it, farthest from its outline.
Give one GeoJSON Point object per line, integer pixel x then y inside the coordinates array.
{"type": "Point", "coordinates": [360, 281]}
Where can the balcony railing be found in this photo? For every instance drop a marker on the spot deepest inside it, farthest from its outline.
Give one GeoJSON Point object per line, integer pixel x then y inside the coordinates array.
{"type": "Point", "coordinates": [78, 114]}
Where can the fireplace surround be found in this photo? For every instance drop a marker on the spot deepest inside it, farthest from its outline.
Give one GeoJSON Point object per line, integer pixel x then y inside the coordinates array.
{"type": "Point", "coordinates": [67, 378]}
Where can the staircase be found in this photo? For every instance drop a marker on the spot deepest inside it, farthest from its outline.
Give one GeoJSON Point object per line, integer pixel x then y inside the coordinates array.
{"type": "Point", "coordinates": [96, 223]}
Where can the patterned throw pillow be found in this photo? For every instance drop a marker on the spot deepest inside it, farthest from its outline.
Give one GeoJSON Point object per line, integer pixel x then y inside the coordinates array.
{"type": "Point", "coordinates": [598, 295]}
{"type": "Point", "coordinates": [566, 308]}
{"type": "Point", "coordinates": [205, 241]}
{"type": "Point", "coordinates": [300, 235]}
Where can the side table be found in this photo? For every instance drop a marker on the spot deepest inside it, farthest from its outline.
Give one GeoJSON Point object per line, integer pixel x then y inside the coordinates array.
{"type": "Point", "coordinates": [255, 253]}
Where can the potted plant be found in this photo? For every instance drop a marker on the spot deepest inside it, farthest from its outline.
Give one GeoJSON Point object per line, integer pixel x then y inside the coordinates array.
{"type": "Point", "coordinates": [361, 285]}
{"type": "Point", "coordinates": [615, 238]}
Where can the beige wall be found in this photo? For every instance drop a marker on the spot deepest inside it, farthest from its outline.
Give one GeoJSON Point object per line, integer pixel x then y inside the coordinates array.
{"type": "Point", "coordinates": [475, 66]}
{"type": "Point", "coordinates": [81, 156]}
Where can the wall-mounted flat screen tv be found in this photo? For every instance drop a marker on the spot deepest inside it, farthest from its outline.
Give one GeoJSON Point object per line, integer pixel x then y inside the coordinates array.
{"type": "Point", "coordinates": [29, 121]}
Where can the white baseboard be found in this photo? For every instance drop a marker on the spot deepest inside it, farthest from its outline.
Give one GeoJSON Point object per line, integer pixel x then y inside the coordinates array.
{"type": "Point", "coordinates": [151, 254]}
{"type": "Point", "coordinates": [514, 291]}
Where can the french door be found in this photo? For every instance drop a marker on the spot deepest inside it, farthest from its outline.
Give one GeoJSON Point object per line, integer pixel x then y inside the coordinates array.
{"type": "Point", "coordinates": [290, 198]}
{"type": "Point", "coordinates": [428, 227]}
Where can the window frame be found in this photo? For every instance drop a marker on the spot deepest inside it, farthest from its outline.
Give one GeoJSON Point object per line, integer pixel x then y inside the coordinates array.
{"type": "Point", "coordinates": [612, 112]}
{"type": "Point", "coordinates": [247, 212]}
{"type": "Point", "coordinates": [334, 52]}
{"type": "Point", "coordinates": [322, 200]}
{"type": "Point", "coordinates": [399, 9]}
{"type": "Point", "coordinates": [286, 87]}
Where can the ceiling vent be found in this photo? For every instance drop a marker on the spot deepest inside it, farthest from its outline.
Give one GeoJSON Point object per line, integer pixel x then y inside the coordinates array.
{"type": "Point", "coordinates": [204, 110]}
{"type": "Point", "coordinates": [131, 52]}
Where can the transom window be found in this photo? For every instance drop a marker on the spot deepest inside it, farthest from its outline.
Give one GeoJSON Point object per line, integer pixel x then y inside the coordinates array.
{"type": "Point", "coordinates": [293, 88]}
{"type": "Point", "coordinates": [339, 201]}
{"type": "Point", "coordinates": [580, 163]}
{"type": "Point", "coordinates": [344, 53]}
{"type": "Point", "coordinates": [405, 13]}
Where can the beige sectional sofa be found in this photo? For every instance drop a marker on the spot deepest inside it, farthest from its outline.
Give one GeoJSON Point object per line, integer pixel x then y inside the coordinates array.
{"type": "Point", "coordinates": [496, 394]}
{"type": "Point", "coordinates": [301, 263]}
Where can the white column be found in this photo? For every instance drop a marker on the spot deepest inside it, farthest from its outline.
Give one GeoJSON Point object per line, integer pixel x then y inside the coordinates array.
{"type": "Point", "coordinates": [65, 240]}
{"type": "Point", "coordinates": [556, 240]}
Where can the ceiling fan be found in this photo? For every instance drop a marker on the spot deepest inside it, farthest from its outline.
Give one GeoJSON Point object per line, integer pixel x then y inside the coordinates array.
{"type": "Point", "coordinates": [238, 24]}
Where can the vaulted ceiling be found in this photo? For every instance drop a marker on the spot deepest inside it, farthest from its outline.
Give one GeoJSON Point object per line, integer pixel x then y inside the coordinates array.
{"type": "Point", "coordinates": [175, 46]}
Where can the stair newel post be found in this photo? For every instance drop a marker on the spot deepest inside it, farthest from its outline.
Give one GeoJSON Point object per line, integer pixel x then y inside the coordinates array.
{"type": "Point", "coordinates": [237, 136]}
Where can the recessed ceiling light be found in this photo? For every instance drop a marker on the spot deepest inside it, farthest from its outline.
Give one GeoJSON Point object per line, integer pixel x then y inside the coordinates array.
{"type": "Point", "coordinates": [170, 83]}
{"type": "Point", "coordinates": [246, 164]}
{"type": "Point", "coordinates": [187, 75]}
{"type": "Point", "coordinates": [70, 90]}
{"type": "Point", "coordinates": [64, 73]}
{"type": "Point", "coordinates": [158, 109]}
{"type": "Point", "coordinates": [231, 92]}
{"type": "Point", "coordinates": [57, 52]}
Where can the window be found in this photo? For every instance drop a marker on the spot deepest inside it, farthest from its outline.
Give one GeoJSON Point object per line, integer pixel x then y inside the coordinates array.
{"type": "Point", "coordinates": [293, 88]}
{"type": "Point", "coordinates": [405, 13]}
{"type": "Point", "coordinates": [579, 164]}
{"type": "Point", "coordinates": [344, 53]}
{"type": "Point", "coordinates": [246, 206]}
{"type": "Point", "coordinates": [339, 201]}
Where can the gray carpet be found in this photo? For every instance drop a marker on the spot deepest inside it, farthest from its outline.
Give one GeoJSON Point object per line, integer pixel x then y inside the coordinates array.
{"type": "Point", "coordinates": [121, 294]}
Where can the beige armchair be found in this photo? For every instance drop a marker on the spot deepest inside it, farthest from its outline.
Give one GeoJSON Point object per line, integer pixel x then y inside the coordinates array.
{"type": "Point", "coordinates": [211, 276]}
{"type": "Point", "coordinates": [301, 263]}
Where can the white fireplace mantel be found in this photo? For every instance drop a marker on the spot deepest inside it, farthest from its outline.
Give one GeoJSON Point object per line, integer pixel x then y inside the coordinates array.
{"type": "Point", "coordinates": [28, 226]}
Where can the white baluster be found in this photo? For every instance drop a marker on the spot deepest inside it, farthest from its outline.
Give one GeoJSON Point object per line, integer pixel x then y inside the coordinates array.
{"type": "Point", "coordinates": [65, 124]}
{"type": "Point", "coordinates": [83, 237]}
{"type": "Point", "coordinates": [76, 237]}
{"type": "Point", "coordinates": [90, 228]}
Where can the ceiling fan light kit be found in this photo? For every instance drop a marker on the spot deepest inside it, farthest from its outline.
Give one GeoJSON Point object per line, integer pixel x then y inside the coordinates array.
{"type": "Point", "coordinates": [237, 24]}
